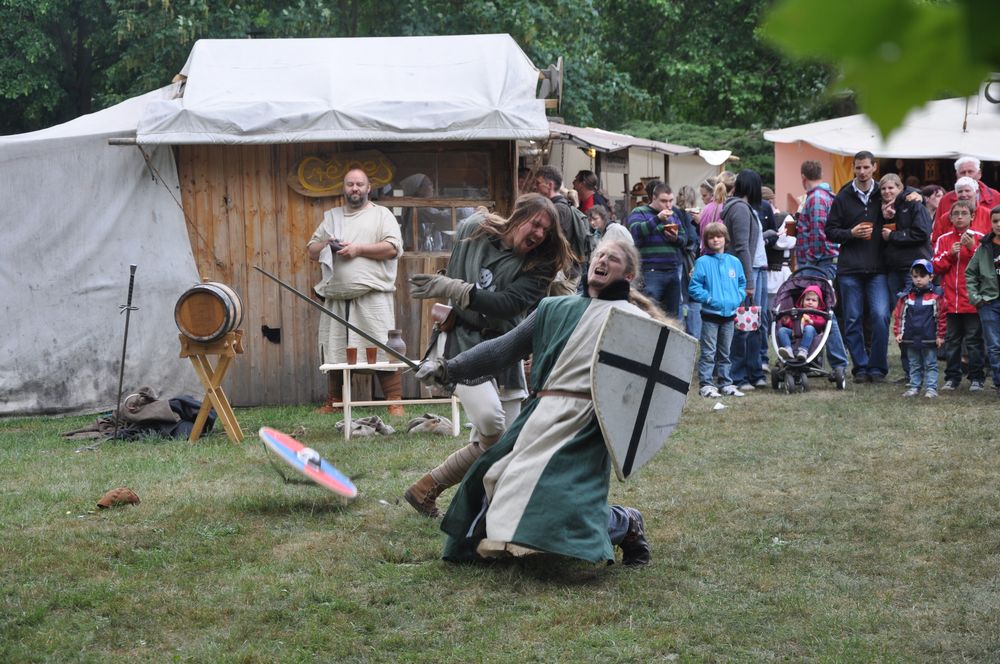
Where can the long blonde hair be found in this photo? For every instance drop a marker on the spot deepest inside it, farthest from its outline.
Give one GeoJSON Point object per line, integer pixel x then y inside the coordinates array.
{"type": "Point", "coordinates": [724, 187]}
{"type": "Point", "coordinates": [639, 299]}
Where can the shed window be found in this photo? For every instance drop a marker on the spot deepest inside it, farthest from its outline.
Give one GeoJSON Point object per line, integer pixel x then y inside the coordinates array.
{"type": "Point", "coordinates": [432, 192]}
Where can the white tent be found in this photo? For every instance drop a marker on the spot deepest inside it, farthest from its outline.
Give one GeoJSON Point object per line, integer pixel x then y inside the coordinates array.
{"type": "Point", "coordinates": [76, 213]}
{"type": "Point", "coordinates": [609, 141]}
{"type": "Point", "coordinates": [641, 157]}
{"type": "Point", "coordinates": [943, 129]}
{"type": "Point", "coordinates": [462, 87]}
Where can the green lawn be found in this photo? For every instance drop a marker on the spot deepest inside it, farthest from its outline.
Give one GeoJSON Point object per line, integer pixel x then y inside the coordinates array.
{"type": "Point", "coordinates": [829, 526]}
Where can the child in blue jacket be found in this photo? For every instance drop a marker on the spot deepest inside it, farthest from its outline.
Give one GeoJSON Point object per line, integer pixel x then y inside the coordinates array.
{"type": "Point", "coordinates": [920, 328]}
{"type": "Point", "coordinates": [719, 284]}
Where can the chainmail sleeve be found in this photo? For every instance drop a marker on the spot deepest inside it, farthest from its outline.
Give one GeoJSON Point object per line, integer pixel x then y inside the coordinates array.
{"type": "Point", "coordinates": [494, 356]}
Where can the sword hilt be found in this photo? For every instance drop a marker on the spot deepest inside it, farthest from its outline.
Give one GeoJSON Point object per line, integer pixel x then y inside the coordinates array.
{"type": "Point", "coordinates": [131, 283]}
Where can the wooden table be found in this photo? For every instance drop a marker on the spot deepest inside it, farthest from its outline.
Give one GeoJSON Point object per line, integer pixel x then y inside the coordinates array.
{"type": "Point", "coordinates": [348, 403]}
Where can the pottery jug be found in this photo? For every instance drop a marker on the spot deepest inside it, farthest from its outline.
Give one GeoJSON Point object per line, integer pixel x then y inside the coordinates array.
{"type": "Point", "coordinates": [396, 342]}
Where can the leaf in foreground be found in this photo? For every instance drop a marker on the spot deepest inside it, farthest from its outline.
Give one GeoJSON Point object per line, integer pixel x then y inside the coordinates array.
{"type": "Point", "coordinates": [895, 54]}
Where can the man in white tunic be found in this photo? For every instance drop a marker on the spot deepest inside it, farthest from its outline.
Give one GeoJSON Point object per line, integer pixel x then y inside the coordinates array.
{"type": "Point", "coordinates": [358, 246]}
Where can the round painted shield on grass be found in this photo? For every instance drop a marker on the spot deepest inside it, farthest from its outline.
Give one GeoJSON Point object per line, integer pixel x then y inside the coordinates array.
{"type": "Point", "coordinates": [307, 462]}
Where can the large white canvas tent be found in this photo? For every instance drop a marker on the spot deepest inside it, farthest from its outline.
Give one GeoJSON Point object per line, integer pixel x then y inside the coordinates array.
{"type": "Point", "coordinates": [462, 87]}
{"type": "Point", "coordinates": [946, 128]}
{"type": "Point", "coordinates": [79, 211]}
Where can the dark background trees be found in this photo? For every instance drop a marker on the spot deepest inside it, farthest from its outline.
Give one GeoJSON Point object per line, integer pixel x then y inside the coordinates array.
{"type": "Point", "coordinates": [667, 70]}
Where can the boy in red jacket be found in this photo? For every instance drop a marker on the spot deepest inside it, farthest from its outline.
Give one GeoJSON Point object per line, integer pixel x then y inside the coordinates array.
{"type": "Point", "coordinates": [952, 253]}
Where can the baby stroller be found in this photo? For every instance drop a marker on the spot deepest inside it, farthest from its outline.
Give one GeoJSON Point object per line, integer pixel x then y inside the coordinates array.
{"type": "Point", "coordinates": [793, 374]}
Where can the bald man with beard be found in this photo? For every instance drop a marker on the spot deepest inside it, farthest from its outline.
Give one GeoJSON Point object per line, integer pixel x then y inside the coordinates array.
{"type": "Point", "coordinates": [358, 246]}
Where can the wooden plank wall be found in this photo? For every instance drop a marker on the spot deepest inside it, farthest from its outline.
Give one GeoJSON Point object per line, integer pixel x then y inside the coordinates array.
{"type": "Point", "coordinates": [242, 213]}
{"type": "Point", "coordinates": [238, 203]}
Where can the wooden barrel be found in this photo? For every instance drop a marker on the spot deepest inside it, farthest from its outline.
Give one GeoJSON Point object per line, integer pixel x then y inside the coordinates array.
{"type": "Point", "coordinates": [208, 311]}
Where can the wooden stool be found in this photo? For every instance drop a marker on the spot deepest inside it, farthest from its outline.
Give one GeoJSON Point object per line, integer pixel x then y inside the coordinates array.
{"type": "Point", "coordinates": [226, 348]}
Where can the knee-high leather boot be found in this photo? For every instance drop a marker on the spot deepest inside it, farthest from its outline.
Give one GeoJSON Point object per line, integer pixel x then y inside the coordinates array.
{"type": "Point", "coordinates": [334, 393]}
{"type": "Point", "coordinates": [422, 495]}
{"type": "Point", "coordinates": [392, 388]}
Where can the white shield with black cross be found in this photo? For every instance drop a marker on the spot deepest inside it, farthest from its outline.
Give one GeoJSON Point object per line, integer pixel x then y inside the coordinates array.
{"type": "Point", "coordinates": [640, 376]}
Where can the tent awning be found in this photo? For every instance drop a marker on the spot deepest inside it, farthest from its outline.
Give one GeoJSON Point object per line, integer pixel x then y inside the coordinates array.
{"type": "Point", "coordinates": [946, 128]}
{"type": "Point", "coordinates": [609, 141]}
{"type": "Point", "coordinates": [239, 91]}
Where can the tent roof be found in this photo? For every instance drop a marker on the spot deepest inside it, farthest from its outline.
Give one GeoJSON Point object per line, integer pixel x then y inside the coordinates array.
{"type": "Point", "coordinates": [463, 87]}
{"type": "Point", "coordinates": [946, 128]}
{"type": "Point", "coordinates": [117, 120]}
{"type": "Point", "coordinates": [609, 141]}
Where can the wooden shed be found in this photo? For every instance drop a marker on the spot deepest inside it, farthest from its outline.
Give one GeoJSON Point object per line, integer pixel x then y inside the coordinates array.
{"type": "Point", "coordinates": [263, 132]}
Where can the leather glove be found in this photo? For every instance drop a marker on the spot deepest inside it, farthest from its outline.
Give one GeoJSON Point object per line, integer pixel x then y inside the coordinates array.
{"type": "Point", "coordinates": [425, 286]}
{"type": "Point", "coordinates": [120, 496]}
{"type": "Point", "coordinates": [433, 372]}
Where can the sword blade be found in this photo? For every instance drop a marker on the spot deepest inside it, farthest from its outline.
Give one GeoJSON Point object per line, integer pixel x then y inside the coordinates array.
{"type": "Point", "coordinates": [399, 356]}
{"type": "Point", "coordinates": [121, 366]}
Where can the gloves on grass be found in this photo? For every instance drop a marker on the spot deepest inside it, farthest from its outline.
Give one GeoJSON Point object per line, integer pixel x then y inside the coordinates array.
{"type": "Point", "coordinates": [368, 426]}
{"type": "Point", "coordinates": [429, 423]}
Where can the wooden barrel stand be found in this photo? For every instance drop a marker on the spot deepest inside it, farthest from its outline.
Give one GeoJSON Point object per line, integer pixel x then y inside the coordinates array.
{"type": "Point", "coordinates": [225, 348]}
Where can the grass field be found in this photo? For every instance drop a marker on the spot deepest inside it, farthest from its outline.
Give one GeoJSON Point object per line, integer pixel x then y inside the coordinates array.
{"type": "Point", "coordinates": [829, 527]}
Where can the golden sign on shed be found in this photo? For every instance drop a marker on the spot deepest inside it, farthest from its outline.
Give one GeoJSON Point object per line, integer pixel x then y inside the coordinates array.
{"type": "Point", "coordinates": [323, 174]}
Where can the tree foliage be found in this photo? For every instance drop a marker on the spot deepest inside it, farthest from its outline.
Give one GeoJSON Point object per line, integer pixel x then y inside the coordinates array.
{"type": "Point", "coordinates": [54, 56]}
{"type": "Point", "coordinates": [705, 63]}
{"type": "Point", "coordinates": [654, 60]}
